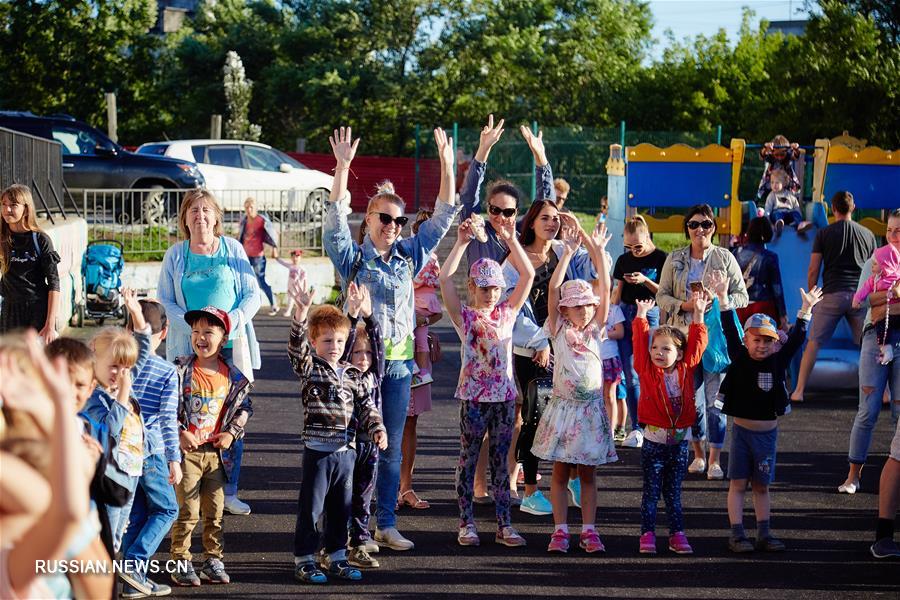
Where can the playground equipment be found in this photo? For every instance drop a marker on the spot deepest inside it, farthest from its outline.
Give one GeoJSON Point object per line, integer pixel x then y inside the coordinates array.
{"type": "Point", "coordinates": [662, 182]}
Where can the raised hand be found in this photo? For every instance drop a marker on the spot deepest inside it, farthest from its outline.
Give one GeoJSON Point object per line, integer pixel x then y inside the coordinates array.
{"type": "Point", "coordinates": [300, 291]}
{"type": "Point", "coordinates": [506, 231]}
{"type": "Point", "coordinates": [365, 307]}
{"type": "Point", "coordinates": [489, 136]}
{"type": "Point", "coordinates": [535, 144]}
{"type": "Point", "coordinates": [718, 282]}
{"type": "Point", "coordinates": [123, 391]}
{"type": "Point", "coordinates": [465, 233]}
{"type": "Point", "coordinates": [644, 307]}
{"type": "Point", "coordinates": [354, 300]}
{"type": "Point", "coordinates": [601, 236]}
{"type": "Point", "coordinates": [571, 238]}
{"type": "Point", "coordinates": [701, 301]}
{"type": "Point", "coordinates": [444, 147]}
{"type": "Point", "coordinates": [810, 298]}
{"type": "Point", "coordinates": [343, 146]}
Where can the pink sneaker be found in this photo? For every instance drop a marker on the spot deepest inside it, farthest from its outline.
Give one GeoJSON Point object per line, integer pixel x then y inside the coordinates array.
{"type": "Point", "coordinates": [648, 543]}
{"type": "Point", "coordinates": [678, 543]}
{"type": "Point", "coordinates": [590, 542]}
{"type": "Point", "coordinates": [559, 542]}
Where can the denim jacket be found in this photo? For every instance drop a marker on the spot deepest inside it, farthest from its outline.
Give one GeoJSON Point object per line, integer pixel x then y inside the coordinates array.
{"type": "Point", "coordinates": [178, 343]}
{"type": "Point", "coordinates": [470, 198]}
{"type": "Point", "coordinates": [389, 281]}
{"type": "Point", "coordinates": [764, 277]}
{"type": "Point", "coordinates": [673, 283]}
{"type": "Point", "coordinates": [527, 332]}
{"type": "Point", "coordinates": [269, 235]}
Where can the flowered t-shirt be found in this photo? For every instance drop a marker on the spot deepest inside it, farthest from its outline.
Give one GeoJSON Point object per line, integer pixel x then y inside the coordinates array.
{"type": "Point", "coordinates": [668, 435]}
{"type": "Point", "coordinates": [130, 452]}
{"type": "Point", "coordinates": [486, 373]}
{"type": "Point", "coordinates": [208, 393]}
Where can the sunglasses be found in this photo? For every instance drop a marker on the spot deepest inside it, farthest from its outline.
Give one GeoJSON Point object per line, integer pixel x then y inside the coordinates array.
{"type": "Point", "coordinates": [635, 248]}
{"type": "Point", "coordinates": [707, 224]}
{"type": "Point", "coordinates": [387, 219]}
{"type": "Point", "coordinates": [506, 212]}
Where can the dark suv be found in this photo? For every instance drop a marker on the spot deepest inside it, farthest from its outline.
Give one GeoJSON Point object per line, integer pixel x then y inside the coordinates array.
{"type": "Point", "coordinates": [91, 161]}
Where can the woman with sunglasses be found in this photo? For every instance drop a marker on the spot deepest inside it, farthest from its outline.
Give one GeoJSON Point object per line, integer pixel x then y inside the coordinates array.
{"type": "Point", "coordinates": [637, 274]}
{"type": "Point", "coordinates": [386, 265]}
{"type": "Point", "coordinates": [695, 267]}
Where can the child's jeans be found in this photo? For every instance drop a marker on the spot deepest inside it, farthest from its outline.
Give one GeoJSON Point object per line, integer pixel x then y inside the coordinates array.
{"type": "Point", "coordinates": [365, 469]}
{"type": "Point", "coordinates": [710, 418]}
{"type": "Point", "coordinates": [118, 515]}
{"type": "Point", "coordinates": [326, 489]}
{"type": "Point", "coordinates": [474, 419]}
{"type": "Point", "coordinates": [664, 466]}
{"type": "Point", "coordinates": [153, 510]}
{"type": "Point", "coordinates": [788, 216]}
{"type": "Point", "coordinates": [201, 488]}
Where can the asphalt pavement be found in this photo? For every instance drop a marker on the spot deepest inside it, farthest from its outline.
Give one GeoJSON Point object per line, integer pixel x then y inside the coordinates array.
{"type": "Point", "coordinates": [827, 534]}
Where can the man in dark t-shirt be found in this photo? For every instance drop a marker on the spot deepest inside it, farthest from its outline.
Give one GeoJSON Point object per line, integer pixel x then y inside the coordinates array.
{"type": "Point", "coordinates": [840, 251]}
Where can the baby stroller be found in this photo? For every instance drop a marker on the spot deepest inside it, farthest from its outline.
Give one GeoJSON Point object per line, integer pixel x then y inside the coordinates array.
{"type": "Point", "coordinates": [101, 272]}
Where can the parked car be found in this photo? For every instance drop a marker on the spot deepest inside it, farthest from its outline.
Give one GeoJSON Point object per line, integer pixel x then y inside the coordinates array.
{"type": "Point", "coordinates": [236, 169]}
{"type": "Point", "coordinates": [93, 161]}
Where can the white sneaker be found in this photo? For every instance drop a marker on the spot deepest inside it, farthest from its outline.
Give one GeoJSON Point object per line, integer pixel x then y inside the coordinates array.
{"type": "Point", "coordinates": [391, 538]}
{"type": "Point", "coordinates": [698, 466]}
{"type": "Point", "coordinates": [274, 311]}
{"type": "Point", "coordinates": [635, 439]}
{"type": "Point", "coordinates": [234, 506]}
{"type": "Point", "coordinates": [370, 546]}
{"type": "Point", "coordinates": [848, 488]}
{"type": "Point", "coordinates": [715, 472]}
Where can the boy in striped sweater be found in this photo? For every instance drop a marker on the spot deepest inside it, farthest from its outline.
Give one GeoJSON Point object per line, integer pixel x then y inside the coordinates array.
{"type": "Point", "coordinates": [155, 506]}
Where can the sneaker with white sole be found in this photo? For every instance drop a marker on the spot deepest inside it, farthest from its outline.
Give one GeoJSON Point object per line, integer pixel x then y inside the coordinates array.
{"type": "Point", "coordinates": [274, 311]}
{"type": "Point", "coordinates": [536, 504]}
{"type": "Point", "coordinates": [369, 546]}
{"type": "Point", "coordinates": [635, 439]}
{"type": "Point", "coordinates": [885, 548]}
{"type": "Point", "coordinates": [185, 575]}
{"type": "Point", "coordinates": [391, 538]}
{"type": "Point", "coordinates": [848, 488]}
{"type": "Point", "coordinates": [213, 571]}
{"type": "Point", "coordinates": [234, 506]}
{"type": "Point", "coordinates": [698, 466]}
{"type": "Point", "coordinates": [715, 472]}
{"type": "Point", "coordinates": [508, 536]}
{"type": "Point", "coordinates": [468, 536]}
{"type": "Point", "coordinates": [574, 487]}
{"type": "Point", "coordinates": [358, 557]}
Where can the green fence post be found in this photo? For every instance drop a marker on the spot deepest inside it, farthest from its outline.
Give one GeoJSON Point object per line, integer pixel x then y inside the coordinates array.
{"type": "Point", "coordinates": [417, 168]}
{"type": "Point", "coordinates": [455, 142]}
{"type": "Point", "coordinates": [622, 135]}
{"type": "Point", "coordinates": [719, 135]}
{"type": "Point", "coordinates": [534, 130]}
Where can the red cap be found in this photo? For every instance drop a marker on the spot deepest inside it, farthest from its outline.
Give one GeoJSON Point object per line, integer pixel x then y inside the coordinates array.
{"type": "Point", "coordinates": [209, 312]}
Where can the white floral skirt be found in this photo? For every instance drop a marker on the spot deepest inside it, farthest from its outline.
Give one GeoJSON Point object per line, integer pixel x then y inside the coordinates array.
{"type": "Point", "coordinates": [575, 432]}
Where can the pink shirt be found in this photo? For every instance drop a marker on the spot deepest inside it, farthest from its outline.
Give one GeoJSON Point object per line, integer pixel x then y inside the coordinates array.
{"type": "Point", "coordinates": [486, 373]}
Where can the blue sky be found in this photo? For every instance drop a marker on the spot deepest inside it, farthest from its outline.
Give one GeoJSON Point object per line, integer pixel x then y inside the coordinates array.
{"type": "Point", "coordinates": [687, 18]}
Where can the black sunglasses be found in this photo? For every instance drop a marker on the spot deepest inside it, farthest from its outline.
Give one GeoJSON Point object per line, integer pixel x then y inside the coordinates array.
{"type": "Point", "coordinates": [387, 219]}
{"type": "Point", "coordinates": [707, 224]}
{"type": "Point", "coordinates": [506, 212]}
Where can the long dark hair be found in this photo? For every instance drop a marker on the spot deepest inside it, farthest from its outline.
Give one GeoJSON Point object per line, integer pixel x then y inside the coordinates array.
{"type": "Point", "coordinates": [531, 216]}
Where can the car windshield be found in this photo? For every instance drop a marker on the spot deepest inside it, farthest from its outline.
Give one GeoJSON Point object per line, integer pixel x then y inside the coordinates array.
{"type": "Point", "coordinates": [159, 149]}
{"type": "Point", "coordinates": [291, 161]}
{"type": "Point", "coordinates": [79, 140]}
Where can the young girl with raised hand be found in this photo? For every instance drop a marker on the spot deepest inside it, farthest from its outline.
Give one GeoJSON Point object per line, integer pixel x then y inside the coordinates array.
{"type": "Point", "coordinates": [486, 389]}
{"type": "Point", "coordinates": [574, 428]}
{"type": "Point", "coordinates": [665, 362]}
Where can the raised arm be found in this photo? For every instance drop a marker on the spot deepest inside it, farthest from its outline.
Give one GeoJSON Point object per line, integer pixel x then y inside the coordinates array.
{"type": "Point", "coordinates": [448, 289]}
{"type": "Point", "coordinates": [519, 260]}
{"type": "Point", "coordinates": [447, 192]}
{"type": "Point", "coordinates": [299, 349]}
{"type": "Point", "coordinates": [640, 335]}
{"type": "Point", "coordinates": [541, 164]}
{"type": "Point", "coordinates": [596, 244]}
{"type": "Point", "coordinates": [571, 242]}
{"type": "Point", "coordinates": [470, 192]}
{"type": "Point", "coordinates": [336, 237]}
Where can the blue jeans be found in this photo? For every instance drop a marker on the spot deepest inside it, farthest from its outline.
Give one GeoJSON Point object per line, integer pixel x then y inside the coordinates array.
{"type": "Point", "coordinates": [259, 269]}
{"type": "Point", "coordinates": [153, 510]}
{"type": "Point", "coordinates": [237, 454]}
{"type": "Point", "coordinates": [626, 353]}
{"type": "Point", "coordinates": [118, 515]}
{"type": "Point", "coordinates": [325, 491]}
{"type": "Point", "coordinates": [395, 393]}
{"type": "Point", "coordinates": [788, 216]}
{"type": "Point", "coordinates": [711, 422]}
{"type": "Point", "coordinates": [875, 376]}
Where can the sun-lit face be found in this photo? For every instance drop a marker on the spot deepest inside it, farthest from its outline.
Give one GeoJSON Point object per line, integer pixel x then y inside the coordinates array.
{"type": "Point", "coordinates": [664, 352]}
{"type": "Point", "coordinates": [207, 339]}
{"type": "Point", "coordinates": [383, 235]}
{"type": "Point", "coordinates": [13, 212]}
{"type": "Point", "coordinates": [250, 209]}
{"type": "Point", "coordinates": [201, 219]}
{"type": "Point", "coordinates": [106, 371]}
{"type": "Point", "coordinates": [82, 378]}
{"type": "Point", "coordinates": [484, 298]}
{"type": "Point", "coordinates": [503, 202]}
{"type": "Point", "coordinates": [701, 237]}
{"type": "Point", "coordinates": [361, 355]}
{"type": "Point", "coordinates": [579, 316]}
{"type": "Point", "coordinates": [892, 233]}
{"type": "Point", "coordinates": [636, 243]}
{"type": "Point", "coordinates": [329, 344]}
{"type": "Point", "coordinates": [759, 346]}
{"type": "Point", "coordinates": [546, 226]}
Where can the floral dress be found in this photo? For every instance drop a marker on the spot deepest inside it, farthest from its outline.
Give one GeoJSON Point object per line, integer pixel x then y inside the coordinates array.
{"type": "Point", "coordinates": [574, 427]}
{"type": "Point", "coordinates": [425, 286]}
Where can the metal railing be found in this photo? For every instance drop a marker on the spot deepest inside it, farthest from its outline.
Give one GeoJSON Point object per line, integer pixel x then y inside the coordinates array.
{"type": "Point", "coordinates": [37, 163]}
{"type": "Point", "coordinates": [145, 220]}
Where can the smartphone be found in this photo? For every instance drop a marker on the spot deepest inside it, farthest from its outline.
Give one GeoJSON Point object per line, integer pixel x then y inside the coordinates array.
{"type": "Point", "coordinates": [696, 286]}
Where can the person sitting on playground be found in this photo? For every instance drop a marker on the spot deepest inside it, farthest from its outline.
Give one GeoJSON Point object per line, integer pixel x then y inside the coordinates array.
{"type": "Point", "coordinates": [779, 154]}
{"type": "Point", "coordinates": [783, 205]}
{"type": "Point", "coordinates": [885, 275]}
{"type": "Point", "coordinates": [754, 393]}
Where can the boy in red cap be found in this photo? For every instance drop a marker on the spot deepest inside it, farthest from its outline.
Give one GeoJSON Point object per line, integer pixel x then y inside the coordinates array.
{"type": "Point", "coordinates": [213, 408]}
{"type": "Point", "coordinates": [754, 393]}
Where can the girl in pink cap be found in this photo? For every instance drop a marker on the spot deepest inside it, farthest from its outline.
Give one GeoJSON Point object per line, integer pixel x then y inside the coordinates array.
{"type": "Point", "coordinates": [486, 390]}
{"type": "Point", "coordinates": [574, 427]}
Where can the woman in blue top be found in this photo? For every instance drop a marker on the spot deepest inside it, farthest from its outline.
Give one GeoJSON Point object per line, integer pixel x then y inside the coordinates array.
{"type": "Point", "coordinates": [209, 269]}
{"type": "Point", "coordinates": [386, 265]}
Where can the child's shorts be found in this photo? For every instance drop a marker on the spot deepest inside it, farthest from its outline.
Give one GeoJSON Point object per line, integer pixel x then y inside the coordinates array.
{"type": "Point", "coordinates": [612, 369]}
{"type": "Point", "coordinates": [752, 455]}
{"type": "Point", "coordinates": [420, 335]}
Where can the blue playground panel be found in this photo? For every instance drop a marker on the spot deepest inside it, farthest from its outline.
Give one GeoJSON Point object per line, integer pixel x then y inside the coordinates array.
{"type": "Point", "coordinates": [678, 184]}
{"type": "Point", "coordinates": [873, 186]}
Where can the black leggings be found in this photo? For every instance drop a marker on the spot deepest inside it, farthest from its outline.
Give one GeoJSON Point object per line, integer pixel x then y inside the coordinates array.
{"type": "Point", "coordinates": [526, 370]}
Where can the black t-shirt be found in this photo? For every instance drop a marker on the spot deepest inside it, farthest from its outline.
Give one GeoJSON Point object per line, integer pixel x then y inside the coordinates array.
{"type": "Point", "coordinates": [845, 247]}
{"type": "Point", "coordinates": [540, 288]}
{"type": "Point", "coordinates": [651, 266]}
{"type": "Point", "coordinates": [32, 267]}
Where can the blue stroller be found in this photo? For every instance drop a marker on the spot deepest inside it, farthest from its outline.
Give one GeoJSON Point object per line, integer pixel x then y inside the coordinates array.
{"type": "Point", "coordinates": [101, 272]}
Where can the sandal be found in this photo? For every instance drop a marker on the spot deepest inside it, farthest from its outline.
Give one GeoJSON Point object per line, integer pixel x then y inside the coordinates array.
{"type": "Point", "coordinates": [411, 499]}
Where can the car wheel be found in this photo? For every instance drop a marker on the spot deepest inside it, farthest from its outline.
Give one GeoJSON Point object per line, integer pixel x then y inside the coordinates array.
{"type": "Point", "coordinates": [314, 204]}
{"type": "Point", "coordinates": [154, 205]}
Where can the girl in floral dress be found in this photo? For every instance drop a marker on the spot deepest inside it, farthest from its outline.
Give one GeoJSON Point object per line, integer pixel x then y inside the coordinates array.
{"type": "Point", "coordinates": [574, 427]}
{"type": "Point", "coordinates": [486, 390]}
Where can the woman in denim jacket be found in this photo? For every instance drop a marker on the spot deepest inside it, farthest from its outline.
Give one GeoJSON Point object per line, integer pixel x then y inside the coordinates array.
{"type": "Point", "coordinates": [386, 265]}
{"type": "Point", "coordinates": [699, 263]}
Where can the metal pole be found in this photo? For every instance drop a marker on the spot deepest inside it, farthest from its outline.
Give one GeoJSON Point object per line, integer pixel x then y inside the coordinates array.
{"type": "Point", "coordinates": [534, 130]}
{"type": "Point", "coordinates": [417, 167]}
{"type": "Point", "coordinates": [622, 135]}
{"type": "Point", "coordinates": [719, 135]}
{"type": "Point", "coordinates": [455, 142]}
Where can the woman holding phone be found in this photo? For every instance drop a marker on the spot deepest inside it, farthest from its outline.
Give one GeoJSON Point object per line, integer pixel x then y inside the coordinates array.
{"type": "Point", "coordinates": [695, 268]}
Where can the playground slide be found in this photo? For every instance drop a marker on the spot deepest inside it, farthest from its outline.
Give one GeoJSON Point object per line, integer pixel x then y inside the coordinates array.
{"type": "Point", "coordinates": [837, 366]}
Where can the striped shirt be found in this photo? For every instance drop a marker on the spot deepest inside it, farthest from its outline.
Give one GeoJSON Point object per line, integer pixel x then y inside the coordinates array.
{"type": "Point", "coordinates": [156, 388]}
